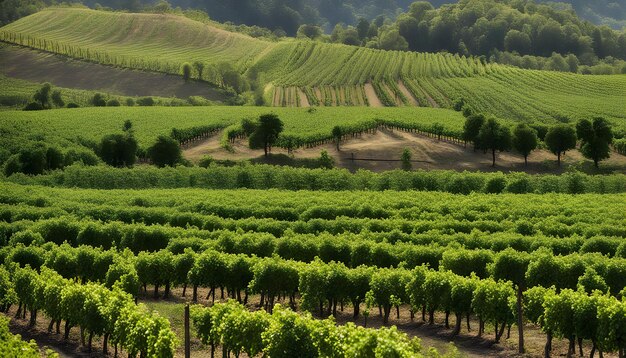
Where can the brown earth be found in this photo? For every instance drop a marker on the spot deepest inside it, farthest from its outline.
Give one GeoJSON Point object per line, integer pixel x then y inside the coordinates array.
{"type": "Point", "coordinates": [372, 98]}
{"type": "Point", "coordinates": [428, 153]}
{"type": "Point", "coordinates": [36, 66]}
{"type": "Point", "coordinates": [407, 94]}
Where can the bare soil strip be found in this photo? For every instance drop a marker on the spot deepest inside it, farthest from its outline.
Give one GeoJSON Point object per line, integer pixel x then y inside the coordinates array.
{"type": "Point", "coordinates": [35, 66]}
{"type": "Point", "coordinates": [304, 101]}
{"type": "Point", "coordinates": [388, 144]}
{"type": "Point", "coordinates": [372, 98]}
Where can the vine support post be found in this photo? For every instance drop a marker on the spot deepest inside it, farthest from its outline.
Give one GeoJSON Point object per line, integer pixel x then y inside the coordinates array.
{"type": "Point", "coordinates": [187, 339]}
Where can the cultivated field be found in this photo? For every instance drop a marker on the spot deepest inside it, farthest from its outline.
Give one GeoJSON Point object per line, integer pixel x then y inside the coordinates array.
{"type": "Point", "coordinates": [308, 73]}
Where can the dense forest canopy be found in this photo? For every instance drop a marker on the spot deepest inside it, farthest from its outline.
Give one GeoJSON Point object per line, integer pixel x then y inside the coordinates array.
{"type": "Point", "coordinates": [288, 15]}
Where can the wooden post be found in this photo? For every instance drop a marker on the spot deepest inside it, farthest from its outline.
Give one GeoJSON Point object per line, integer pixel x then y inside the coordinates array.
{"type": "Point", "coordinates": [187, 341]}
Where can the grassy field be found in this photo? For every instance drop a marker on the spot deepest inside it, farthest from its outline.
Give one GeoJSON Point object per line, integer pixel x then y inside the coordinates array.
{"type": "Point", "coordinates": [301, 73]}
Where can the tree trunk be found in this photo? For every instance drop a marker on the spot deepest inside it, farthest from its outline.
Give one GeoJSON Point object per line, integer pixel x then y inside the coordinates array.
{"type": "Point", "coordinates": [90, 341]}
{"type": "Point", "coordinates": [571, 350]}
{"type": "Point", "coordinates": [431, 317]}
{"type": "Point", "coordinates": [457, 326]}
{"type": "Point", "coordinates": [33, 318]}
{"type": "Point", "coordinates": [105, 343]}
{"type": "Point", "coordinates": [526, 160]}
{"type": "Point", "coordinates": [520, 319]}
{"type": "Point", "coordinates": [195, 293]}
{"type": "Point", "coordinates": [469, 329]}
{"type": "Point", "coordinates": [493, 156]}
{"type": "Point", "coordinates": [357, 308]}
{"type": "Point", "coordinates": [50, 326]}
{"type": "Point", "coordinates": [447, 319]}
{"type": "Point", "coordinates": [184, 289]}
{"type": "Point", "coordinates": [548, 347]}
{"type": "Point", "coordinates": [580, 346]}
{"type": "Point", "coordinates": [558, 159]}
{"type": "Point", "coordinates": [156, 291]}
{"type": "Point", "coordinates": [501, 332]}
{"type": "Point", "coordinates": [66, 336]}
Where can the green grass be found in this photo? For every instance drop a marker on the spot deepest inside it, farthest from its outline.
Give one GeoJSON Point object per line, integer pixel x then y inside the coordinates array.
{"type": "Point", "coordinates": [329, 74]}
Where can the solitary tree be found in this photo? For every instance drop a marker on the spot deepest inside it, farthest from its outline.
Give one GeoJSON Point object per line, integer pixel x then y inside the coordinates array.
{"type": "Point", "coordinates": [560, 139]}
{"type": "Point", "coordinates": [98, 100]}
{"type": "Point", "coordinates": [493, 136]}
{"type": "Point", "coordinates": [595, 139]}
{"type": "Point", "coordinates": [199, 66]}
{"type": "Point", "coordinates": [186, 71]}
{"type": "Point", "coordinates": [119, 149]}
{"type": "Point", "coordinates": [267, 132]}
{"type": "Point", "coordinates": [472, 127]}
{"type": "Point", "coordinates": [524, 140]}
{"type": "Point", "coordinates": [406, 160]}
{"type": "Point", "coordinates": [337, 133]}
{"type": "Point", "coordinates": [165, 152]}
{"type": "Point", "coordinates": [57, 99]}
{"type": "Point", "coordinates": [42, 96]}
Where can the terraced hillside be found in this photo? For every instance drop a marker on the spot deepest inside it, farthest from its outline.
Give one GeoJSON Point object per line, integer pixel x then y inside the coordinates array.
{"type": "Point", "coordinates": [303, 73]}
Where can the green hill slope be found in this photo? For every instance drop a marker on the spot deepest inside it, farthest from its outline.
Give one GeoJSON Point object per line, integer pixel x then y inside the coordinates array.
{"type": "Point", "coordinates": [300, 73]}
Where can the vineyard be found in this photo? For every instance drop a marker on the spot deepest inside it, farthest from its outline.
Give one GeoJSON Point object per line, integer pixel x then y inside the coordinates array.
{"type": "Point", "coordinates": [306, 73]}
{"type": "Point", "coordinates": [302, 127]}
{"type": "Point", "coordinates": [559, 260]}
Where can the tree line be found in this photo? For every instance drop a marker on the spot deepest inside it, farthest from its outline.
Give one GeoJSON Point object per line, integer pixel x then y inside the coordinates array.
{"type": "Point", "coordinates": [488, 134]}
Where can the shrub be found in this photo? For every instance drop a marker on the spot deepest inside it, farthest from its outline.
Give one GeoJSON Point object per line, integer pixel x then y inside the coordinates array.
{"type": "Point", "coordinates": [130, 102]}
{"type": "Point", "coordinates": [145, 101]}
{"type": "Point", "coordinates": [12, 165]}
{"type": "Point", "coordinates": [27, 238]}
{"type": "Point", "coordinates": [495, 185]}
{"type": "Point", "coordinates": [165, 152]}
{"type": "Point", "coordinates": [33, 106]}
{"type": "Point", "coordinates": [113, 103]}
{"type": "Point", "coordinates": [326, 161]}
{"type": "Point", "coordinates": [98, 100]}
{"type": "Point", "coordinates": [72, 105]}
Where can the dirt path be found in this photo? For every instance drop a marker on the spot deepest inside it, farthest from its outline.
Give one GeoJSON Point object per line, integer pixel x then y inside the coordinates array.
{"type": "Point", "coordinates": [407, 94]}
{"type": "Point", "coordinates": [389, 144]}
{"type": "Point", "coordinates": [35, 66]}
{"type": "Point", "coordinates": [304, 101]}
{"type": "Point", "coordinates": [372, 98]}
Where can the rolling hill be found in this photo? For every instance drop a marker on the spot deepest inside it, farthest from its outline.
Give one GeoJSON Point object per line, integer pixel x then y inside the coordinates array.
{"type": "Point", "coordinates": [302, 73]}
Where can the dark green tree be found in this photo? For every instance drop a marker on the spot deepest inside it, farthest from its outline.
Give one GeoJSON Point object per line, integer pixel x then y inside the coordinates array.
{"type": "Point", "coordinates": [186, 70]}
{"type": "Point", "coordinates": [559, 139]}
{"type": "Point", "coordinates": [494, 136]}
{"type": "Point", "coordinates": [119, 150]}
{"type": "Point", "coordinates": [165, 152]}
{"type": "Point", "coordinates": [406, 159]}
{"type": "Point", "coordinates": [266, 134]}
{"type": "Point", "coordinates": [199, 66]}
{"type": "Point", "coordinates": [595, 139]}
{"type": "Point", "coordinates": [471, 128]}
{"type": "Point", "coordinates": [524, 140]}
{"type": "Point", "coordinates": [337, 134]}
{"type": "Point", "coordinates": [57, 99]}
{"type": "Point", "coordinates": [98, 100]}
{"type": "Point", "coordinates": [42, 96]}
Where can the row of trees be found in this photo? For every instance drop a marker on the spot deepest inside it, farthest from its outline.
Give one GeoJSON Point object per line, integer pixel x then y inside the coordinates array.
{"type": "Point", "coordinates": [120, 150]}
{"type": "Point", "coordinates": [490, 135]}
{"type": "Point", "coordinates": [325, 286]}
{"type": "Point", "coordinates": [285, 333]}
{"type": "Point", "coordinates": [47, 98]}
{"type": "Point", "coordinates": [98, 311]}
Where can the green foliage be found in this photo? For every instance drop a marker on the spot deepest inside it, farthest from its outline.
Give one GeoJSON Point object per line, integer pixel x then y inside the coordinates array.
{"type": "Point", "coordinates": [559, 139]}
{"type": "Point", "coordinates": [326, 161]}
{"type": "Point", "coordinates": [595, 139]}
{"type": "Point", "coordinates": [493, 136]}
{"type": "Point", "coordinates": [165, 152]}
{"type": "Point", "coordinates": [524, 140]}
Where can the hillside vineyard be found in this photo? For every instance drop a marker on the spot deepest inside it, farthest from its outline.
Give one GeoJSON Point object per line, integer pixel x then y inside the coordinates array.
{"type": "Point", "coordinates": [309, 73]}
